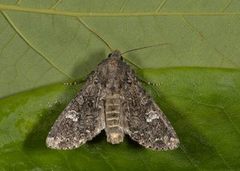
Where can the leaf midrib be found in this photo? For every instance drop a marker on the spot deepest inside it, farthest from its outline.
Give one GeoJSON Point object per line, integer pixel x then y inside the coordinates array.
{"type": "Point", "coordinates": [52, 11]}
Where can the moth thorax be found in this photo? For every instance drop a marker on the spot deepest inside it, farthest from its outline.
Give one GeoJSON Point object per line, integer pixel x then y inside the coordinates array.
{"type": "Point", "coordinates": [113, 118]}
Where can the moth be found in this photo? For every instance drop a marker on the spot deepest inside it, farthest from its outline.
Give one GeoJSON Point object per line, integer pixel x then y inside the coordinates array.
{"type": "Point", "coordinates": [114, 100]}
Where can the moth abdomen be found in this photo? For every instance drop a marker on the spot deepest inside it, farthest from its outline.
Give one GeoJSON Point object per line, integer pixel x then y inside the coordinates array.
{"type": "Point", "coordinates": [113, 119]}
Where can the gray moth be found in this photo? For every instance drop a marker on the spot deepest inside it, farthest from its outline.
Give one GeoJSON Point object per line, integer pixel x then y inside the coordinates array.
{"type": "Point", "coordinates": [114, 100]}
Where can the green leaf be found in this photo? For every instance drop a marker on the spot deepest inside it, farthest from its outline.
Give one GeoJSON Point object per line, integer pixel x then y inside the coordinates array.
{"type": "Point", "coordinates": [195, 79]}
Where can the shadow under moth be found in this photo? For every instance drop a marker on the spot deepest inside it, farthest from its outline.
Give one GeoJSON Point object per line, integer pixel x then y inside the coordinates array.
{"type": "Point", "coordinates": [114, 100]}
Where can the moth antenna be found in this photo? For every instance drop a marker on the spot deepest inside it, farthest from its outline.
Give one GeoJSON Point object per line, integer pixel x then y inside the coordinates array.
{"type": "Point", "coordinates": [95, 33]}
{"type": "Point", "coordinates": [145, 47]}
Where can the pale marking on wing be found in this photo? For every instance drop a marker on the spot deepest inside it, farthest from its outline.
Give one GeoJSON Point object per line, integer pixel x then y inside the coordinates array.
{"type": "Point", "coordinates": [73, 115]}
{"type": "Point", "coordinates": [53, 142]}
{"type": "Point", "coordinates": [151, 115]}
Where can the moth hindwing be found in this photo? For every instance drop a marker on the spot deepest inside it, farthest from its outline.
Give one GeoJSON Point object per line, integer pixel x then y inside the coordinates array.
{"type": "Point", "coordinates": [112, 99]}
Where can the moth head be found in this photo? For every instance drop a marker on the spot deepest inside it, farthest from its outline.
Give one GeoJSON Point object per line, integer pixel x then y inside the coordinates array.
{"type": "Point", "coordinates": [115, 54]}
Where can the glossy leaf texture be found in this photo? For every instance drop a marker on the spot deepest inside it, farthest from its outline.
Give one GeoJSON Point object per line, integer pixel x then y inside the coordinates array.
{"type": "Point", "coordinates": [195, 79]}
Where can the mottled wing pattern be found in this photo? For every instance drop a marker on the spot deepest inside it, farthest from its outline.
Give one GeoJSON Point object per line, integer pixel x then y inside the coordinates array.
{"type": "Point", "coordinates": [145, 122]}
{"type": "Point", "coordinates": [81, 120]}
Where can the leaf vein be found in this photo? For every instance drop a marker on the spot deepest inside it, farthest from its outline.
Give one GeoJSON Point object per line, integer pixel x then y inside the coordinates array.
{"type": "Point", "coordinates": [194, 29]}
{"type": "Point", "coordinates": [7, 43]}
{"type": "Point", "coordinates": [111, 14]}
{"type": "Point", "coordinates": [123, 5]}
{"type": "Point", "coordinates": [55, 4]}
{"type": "Point", "coordinates": [221, 109]}
{"type": "Point", "coordinates": [161, 5]}
{"type": "Point", "coordinates": [188, 157]}
{"type": "Point", "coordinates": [29, 44]}
{"type": "Point", "coordinates": [228, 5]}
